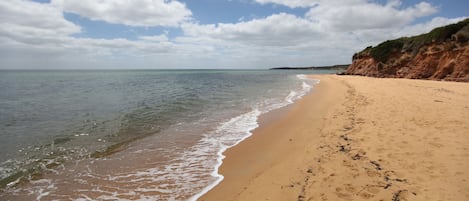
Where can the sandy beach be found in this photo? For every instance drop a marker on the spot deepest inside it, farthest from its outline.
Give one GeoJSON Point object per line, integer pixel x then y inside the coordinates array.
{"type": "Point", "coordinates": [357, 138]}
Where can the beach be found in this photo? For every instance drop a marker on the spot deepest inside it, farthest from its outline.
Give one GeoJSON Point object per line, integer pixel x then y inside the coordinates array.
{"type": "Point", "coordinates": [356, 138]}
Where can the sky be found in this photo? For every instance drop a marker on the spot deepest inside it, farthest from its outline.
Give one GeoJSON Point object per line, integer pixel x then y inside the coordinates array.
{"type": "Point", "coordinates": [207, 34]}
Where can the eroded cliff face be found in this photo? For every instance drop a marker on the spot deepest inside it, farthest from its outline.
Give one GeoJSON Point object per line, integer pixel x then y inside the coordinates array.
{"type": "Point", "coordinates": [445, 57]}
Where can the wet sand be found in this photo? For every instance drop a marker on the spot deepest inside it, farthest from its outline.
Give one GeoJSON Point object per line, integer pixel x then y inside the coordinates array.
{"type": "Point", "coordinates": [357, 138]}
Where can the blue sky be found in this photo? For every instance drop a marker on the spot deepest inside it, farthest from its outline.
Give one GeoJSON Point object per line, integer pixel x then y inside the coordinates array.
{"type": "Point", "coordinates": [120, 34]}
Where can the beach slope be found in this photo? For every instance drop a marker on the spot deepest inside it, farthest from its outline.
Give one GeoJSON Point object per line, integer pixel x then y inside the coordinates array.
{"type": "Point", "coordinates": [357, 138]}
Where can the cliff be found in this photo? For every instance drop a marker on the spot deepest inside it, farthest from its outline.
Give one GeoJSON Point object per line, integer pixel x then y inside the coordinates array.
{"type": "Point", "coordinates": [442, 54]}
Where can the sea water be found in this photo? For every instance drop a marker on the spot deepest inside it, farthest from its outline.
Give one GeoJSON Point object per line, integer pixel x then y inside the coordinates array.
{"type": "Point", "coordinates": [129, 135]}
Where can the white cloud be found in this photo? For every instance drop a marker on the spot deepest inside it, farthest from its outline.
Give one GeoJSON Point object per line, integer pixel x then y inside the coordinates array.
{"type": "Point", "coordinates": [33, 19]}
{"type": "Point", "coordinates": [376, 36]}
{"type": "Point", "coordinates": [289, 3]}
{"type": "Point", "coordinates": [129, 12]}
{"type": "Point", "coordinates": [352, 15]}
{"type": "Point", "coordinates": [157, 38]}
{"type": "Point", "coordinates": [38, 34]}
{"type": "Point", "coordinates": [309, 3]}
{"type": "Point", "coordinates": [425, 27]}
{"type": "Point", "coordinates": [275, 30]}
{"type": "Point", "coordinates": [368, 15]}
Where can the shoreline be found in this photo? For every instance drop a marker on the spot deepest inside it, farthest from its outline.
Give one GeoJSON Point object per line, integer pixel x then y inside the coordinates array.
{"type": "Point", "coordinates": [167, 174]}
{"type": "Point", "coordinates": [262, 120]}
{"type": "Point", "coordinates": [248, 147]}
{"type": "Point", "coordinates": [337, 143]}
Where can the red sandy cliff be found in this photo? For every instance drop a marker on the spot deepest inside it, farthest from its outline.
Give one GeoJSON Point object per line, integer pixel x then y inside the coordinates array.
{"type": "Point", "coordinates": [442, 54]}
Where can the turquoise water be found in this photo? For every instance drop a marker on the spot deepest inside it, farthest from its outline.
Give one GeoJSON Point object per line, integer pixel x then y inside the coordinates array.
{"type": "Point", "coordinates": [76, 128]}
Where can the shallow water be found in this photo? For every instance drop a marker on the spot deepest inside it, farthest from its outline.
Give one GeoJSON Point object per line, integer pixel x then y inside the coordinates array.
{"type": "Point", "coordinates": [129, 135]}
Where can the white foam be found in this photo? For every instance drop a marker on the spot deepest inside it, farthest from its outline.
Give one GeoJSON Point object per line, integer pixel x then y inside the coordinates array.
{"type": "Point", "coordinates": [232, 133]}
{"type": "Point", "coordinates": [195, 168]}
{"type": "Point", "coordinates": [239, 128]}
{"type": "Point", "coordinates": [13, 183]}
{"type": "Point", "coordinates": [306, 86]}
{"type": "Point", "coordinates": [41, 194]}
{"type": "Point", "coordinates": [290, 97]}
{"type": "Point", "coordinates": [302, 76]}
{"type": "Point", "coordinates": [42, 191]}
{"type": "Point", "coordinates": [189, 170]}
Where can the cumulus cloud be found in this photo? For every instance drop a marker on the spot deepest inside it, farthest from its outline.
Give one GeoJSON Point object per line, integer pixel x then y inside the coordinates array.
{"type": "Point", "coordinates": [309, 3]}
{"type": "Point", "coordinates": [368, 15]}
{"type": "Point", "coordinates": [275, 30]}
{"type": "Point", "coordinates": [26, 19]}
{"type": "Point", "coordinates": [156, 38]}
{"type": "Point", "coordinates": [37, 33]}
{"type": "Point", "coordinates": [129, 12]}
{"type": "Point", "coordinates": [358, 14]}
{"type": "Point", "coordinates": [329, 33]}
{"type": "Point", "coordinates": [411, 30]}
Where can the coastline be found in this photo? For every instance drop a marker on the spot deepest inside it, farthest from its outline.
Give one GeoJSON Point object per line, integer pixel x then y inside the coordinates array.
{"type": "Point", "coordinates": [263, 118]}
{"type": "Point", "coordinates": [357, 138]}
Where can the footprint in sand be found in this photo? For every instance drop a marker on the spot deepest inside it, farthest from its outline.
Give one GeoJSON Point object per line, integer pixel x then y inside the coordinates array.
{"type": "Point", "coordinates": [349, 188]}
{"type": "Point", "coordinates": [380, 150]}
{"type": "Point", "coordinates": [366, 195]}
{"type": "Point", "coordinates": [372, 173]}
{"type": "Point", "coordinates": [403, 144]}
{"type": "Point", "coordinates": [436, 145]}
{"type": "Point", "coordinates": [373, 189]}
{"type": "Point", "coordinates": [341, 194]}
{"type": "Point", "coordinates": [428, 153]}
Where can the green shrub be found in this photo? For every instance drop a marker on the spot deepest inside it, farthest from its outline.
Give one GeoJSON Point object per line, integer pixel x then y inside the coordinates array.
{"type": "Point", "coordinates": [457, 32]}
{"type": "Point", "coordinates": [384, 50]}
{"type": "Point", "coordinates": [441, 34]}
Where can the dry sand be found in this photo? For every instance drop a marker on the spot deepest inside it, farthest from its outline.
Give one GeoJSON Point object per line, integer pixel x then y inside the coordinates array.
{"type": "Point", "coordinates": [357, 138]}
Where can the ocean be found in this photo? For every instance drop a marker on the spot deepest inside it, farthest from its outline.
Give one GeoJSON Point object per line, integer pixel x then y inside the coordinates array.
{"type": "Point", "coordinates": [129, 134]}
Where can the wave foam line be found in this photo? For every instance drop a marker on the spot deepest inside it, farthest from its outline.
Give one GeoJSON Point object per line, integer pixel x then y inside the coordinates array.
{"type": "Point", "coordinates": [244, 124]}
{"type": "Point", "coordinates": [236, 124]}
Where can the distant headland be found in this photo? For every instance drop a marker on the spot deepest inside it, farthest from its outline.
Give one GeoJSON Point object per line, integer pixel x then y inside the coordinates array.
{"type": "Point", "coordinates": [334, 67]}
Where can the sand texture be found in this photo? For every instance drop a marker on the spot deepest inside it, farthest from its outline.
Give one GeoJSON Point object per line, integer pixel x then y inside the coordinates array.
{"type": "Point", "coordinates": [357, 138]}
